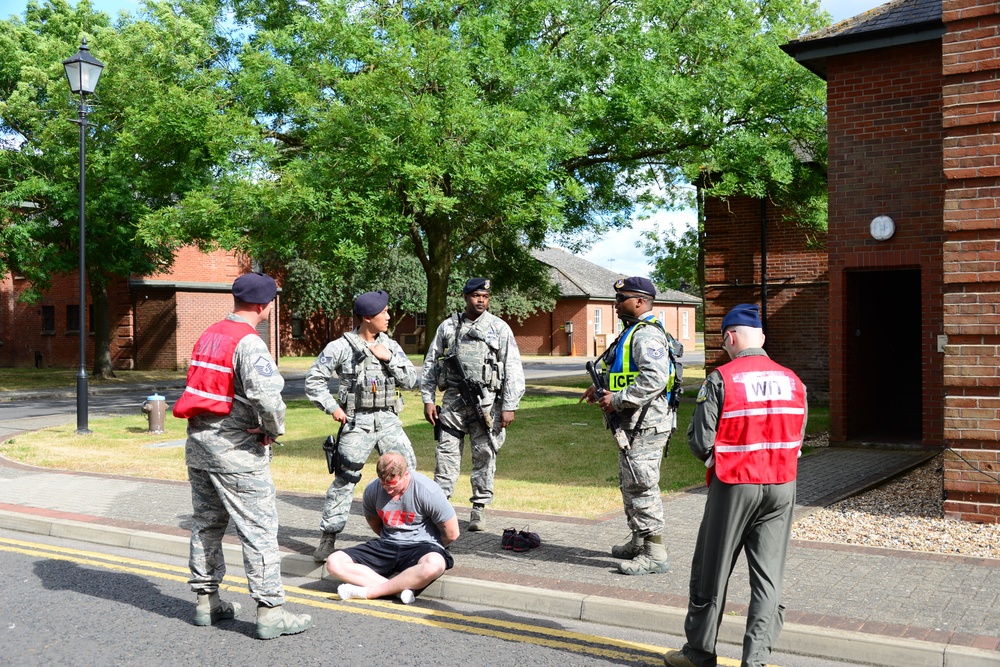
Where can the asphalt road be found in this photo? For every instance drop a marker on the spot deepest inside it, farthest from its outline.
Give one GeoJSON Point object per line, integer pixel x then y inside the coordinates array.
{"type": "Point", "coordinates": [72, 603]}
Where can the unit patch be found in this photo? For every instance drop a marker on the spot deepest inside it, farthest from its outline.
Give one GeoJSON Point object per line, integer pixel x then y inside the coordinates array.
{"type": "Point", "coordinates": [702, 393]}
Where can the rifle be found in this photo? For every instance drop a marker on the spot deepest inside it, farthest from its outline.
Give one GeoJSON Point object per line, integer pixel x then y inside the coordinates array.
{"type": "Point", "coordinates": [330, 447]}
{"type": "Point", "coordinates": [472, 393]}
{"type": "Point", "coordinates": [611, 420]}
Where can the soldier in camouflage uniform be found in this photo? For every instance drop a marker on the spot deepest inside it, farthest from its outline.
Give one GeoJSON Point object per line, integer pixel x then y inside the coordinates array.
{"type": "Point", "coordinates": [639, 375]}
{"type": "Point", "coordinates": [488, 354]}
{"type": "Point", "coordinates": [234, 410]}
{"type": "Point", "coordinates": [372, 368]}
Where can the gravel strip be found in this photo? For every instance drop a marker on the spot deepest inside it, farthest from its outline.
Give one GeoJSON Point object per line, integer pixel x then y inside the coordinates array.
{"type": "Point", "coordinates": [906, 513]}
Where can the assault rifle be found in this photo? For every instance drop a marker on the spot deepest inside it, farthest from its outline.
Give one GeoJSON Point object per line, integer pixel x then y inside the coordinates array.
{"type": "Point", "coordinates": [611, 419]}
{"type": "Point", "coordinates": [472, 393]}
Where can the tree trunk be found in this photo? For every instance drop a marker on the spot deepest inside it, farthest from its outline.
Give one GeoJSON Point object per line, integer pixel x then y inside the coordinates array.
{"type": "Point", "coordinates": [438, 269]}
{"type": "Point", "coordinates": [102, 330]}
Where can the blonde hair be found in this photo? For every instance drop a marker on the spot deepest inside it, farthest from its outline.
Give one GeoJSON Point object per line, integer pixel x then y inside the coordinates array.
{"type": "Point", "coordinates": [390, 465]}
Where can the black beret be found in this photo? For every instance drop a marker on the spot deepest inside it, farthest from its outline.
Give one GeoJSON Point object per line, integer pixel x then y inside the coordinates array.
{"type": "Point", "coordinates": [636, 284]}
{"type": "Point", "coordinates": [255, 288]}
{"type": "Point", "coordinates": [745, 314]}
{"type": "Point", "coordinates": [475, 285]}
{"type": "Point", "coordinates": [371, 304]}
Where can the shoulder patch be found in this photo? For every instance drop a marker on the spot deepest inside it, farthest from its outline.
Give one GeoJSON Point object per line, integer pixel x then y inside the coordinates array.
{"type": "Point", "coordinates": [702, 393]}
{"type": "Point", "coordinates": [264, 366]}
{"type": "Point", "coordinates": [656, 351]}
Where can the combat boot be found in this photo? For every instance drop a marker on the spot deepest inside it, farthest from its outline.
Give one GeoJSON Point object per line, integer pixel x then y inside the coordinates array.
{"type": "Point", "coordinates": [652, 560]}
{"type": "Point", "coordinates": [477, 518]}
{"type": "Point", "coordinates": [327, 545]}
{"type": "Point", "coordinates": [275, 621]}
{"type": "Point", "coordinates": [630, 549]}
{"type": "Point", "coordinates": [211, 609]}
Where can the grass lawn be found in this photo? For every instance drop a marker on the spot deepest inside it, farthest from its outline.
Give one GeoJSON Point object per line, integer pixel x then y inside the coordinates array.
{"type": "Point", "coordinates": [558, 457]}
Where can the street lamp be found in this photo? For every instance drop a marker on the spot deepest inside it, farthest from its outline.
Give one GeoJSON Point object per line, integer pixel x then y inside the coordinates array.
{"type": "Point", "coordinates": [83, 70]}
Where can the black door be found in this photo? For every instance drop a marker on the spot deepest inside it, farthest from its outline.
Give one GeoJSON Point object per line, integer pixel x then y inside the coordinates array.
{"type": "Point", "coordinates": [884, 388]}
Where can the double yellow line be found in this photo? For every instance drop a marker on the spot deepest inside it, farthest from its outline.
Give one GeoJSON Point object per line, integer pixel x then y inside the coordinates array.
{"type": "Point", "coordinates": [602, 647]}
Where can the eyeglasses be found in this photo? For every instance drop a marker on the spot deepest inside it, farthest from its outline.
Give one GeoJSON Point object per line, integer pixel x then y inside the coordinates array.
{"type": "Point", "coordinates": [622, 298]}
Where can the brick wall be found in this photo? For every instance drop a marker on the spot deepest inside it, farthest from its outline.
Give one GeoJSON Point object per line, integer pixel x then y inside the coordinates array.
{"type": "Point", "coordinates": [884, 109]}
{"type": "Point", "coordinates": [971, 99]}
{"type": "Point", "coordinates": [797, 304]}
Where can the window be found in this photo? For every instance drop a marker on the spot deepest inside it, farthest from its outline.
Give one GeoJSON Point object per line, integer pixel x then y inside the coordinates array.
{"type": "Point", "coordinates": [72, 318]}
{"type": "Point", "coordinates": [663, 317]}
{"type": "Point", "coordinates": [421, 319]}
{"type": "Point", "coordinates": [684, 325]}
{"type": "Point", "coordinates": [598, 320]}
{"type": "Point", "coordinates": [298, 327]}
{"type": "Point", "coordinates": [48, 319]}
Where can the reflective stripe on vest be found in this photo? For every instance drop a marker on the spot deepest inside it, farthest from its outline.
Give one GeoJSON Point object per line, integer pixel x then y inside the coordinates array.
{"type": "Point", "coordinates": [760, 428]}
{"type": "Point", "coordinates": [211, 379]}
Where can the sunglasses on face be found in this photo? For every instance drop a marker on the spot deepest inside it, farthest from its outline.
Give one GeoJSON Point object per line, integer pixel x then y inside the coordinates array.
{"type": "Point", "coordinates": [622, 298]}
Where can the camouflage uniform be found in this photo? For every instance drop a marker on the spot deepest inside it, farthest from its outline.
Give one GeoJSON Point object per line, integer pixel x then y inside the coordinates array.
{"type": "Point", "coordinates": [367, 427]}
{"type": "Point", "coordinates": [231, 478]}
{"type": "Point", "coordinates": [640, 481]}
{"type": "Point", "coordinates": [500, 370]}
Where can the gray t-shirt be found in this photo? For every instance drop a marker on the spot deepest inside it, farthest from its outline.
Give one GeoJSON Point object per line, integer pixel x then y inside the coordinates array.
{"type": "Point", "coordinates": [415, 517]}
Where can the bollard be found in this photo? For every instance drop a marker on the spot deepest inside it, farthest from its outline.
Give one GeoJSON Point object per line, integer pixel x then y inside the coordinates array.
{"type": "Point", "coordinates": [155, 409]}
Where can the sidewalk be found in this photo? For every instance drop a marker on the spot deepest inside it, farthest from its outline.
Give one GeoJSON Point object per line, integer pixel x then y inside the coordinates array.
{"type": "Point", "coordinates": [862, 604]}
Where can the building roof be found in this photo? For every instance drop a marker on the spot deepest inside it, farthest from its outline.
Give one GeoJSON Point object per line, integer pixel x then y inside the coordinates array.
{"type": "Point", "coordinates": [577, 278]}
{"type": "Point", "coordinates": [892, 24]}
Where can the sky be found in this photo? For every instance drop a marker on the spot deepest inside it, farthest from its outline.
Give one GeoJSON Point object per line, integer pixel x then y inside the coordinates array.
{"type": "Point", "coordinates": [616, 250]}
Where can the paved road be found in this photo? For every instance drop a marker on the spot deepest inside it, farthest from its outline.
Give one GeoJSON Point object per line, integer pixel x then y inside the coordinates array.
{"type": "Point", "coordinates": [99, 605]}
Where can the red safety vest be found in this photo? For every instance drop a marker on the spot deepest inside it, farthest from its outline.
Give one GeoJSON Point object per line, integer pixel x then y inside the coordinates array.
{"type": "Point", "coordinates": [211, 380]}
{"type": "Point", "coordinates": [760, 428]}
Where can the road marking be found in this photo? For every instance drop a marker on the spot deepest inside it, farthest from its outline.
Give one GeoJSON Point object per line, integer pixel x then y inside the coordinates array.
{"type": "Point", "coordinates": [603, 647]}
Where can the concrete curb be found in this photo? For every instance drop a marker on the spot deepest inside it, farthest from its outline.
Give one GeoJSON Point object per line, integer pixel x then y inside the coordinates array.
{"type": "Point", "coordinates": [798, 639]}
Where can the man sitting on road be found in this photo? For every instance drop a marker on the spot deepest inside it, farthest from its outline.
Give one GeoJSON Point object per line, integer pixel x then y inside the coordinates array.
{"type": "Point", "coordinates": [414, 522]}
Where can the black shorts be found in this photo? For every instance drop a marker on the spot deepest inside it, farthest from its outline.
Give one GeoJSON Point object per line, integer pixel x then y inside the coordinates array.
{"type": "Point", "coordinates": [389, 558]}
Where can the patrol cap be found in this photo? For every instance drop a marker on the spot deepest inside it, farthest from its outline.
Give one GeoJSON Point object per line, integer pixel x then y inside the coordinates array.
{"type": "Point", "coordinates": [636, 284]}
{"type": "Point", "coordinates": [475, 285]}
{"type": "Point", "coordinates": [745, 314]}
{"type": "Point", "coordinates": [255, 288]}
{"type": "Point", "coordinates": [371, 304]}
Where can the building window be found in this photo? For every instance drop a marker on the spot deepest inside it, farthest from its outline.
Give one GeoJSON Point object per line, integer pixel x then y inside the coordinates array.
{"type": "Point", "coordinates": [72, 318]}
{"type": "Point", "coordinates": [298, 327]}
{"type": "Point", "coordinates": [48, 319]}
{"type": "Point", "coordinates": [663, 317]}
{"type": "Point", "coordinates": [684, 325]}
{"type": "Point", "coordinates": [420, 319]}
{"type": "Point", "coordinates": [598, 320]}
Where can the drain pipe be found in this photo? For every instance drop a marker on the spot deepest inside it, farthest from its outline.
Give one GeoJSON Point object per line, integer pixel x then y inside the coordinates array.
{"type": "Point", "coordinates": [763, 263]}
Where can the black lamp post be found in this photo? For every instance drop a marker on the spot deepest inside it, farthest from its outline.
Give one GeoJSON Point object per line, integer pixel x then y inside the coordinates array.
{"type": "Point", "coordinates": [83, 70]}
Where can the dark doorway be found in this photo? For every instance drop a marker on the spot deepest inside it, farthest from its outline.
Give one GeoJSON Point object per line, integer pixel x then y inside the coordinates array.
{"type": "Point", "coordinates": [884, 388]}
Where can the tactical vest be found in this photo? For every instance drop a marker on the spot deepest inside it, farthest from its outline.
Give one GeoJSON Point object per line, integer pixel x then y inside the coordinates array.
{"type": "Point", "coordinates": [211, 378]}
{"type": "Point", "coordinates": [478, 359]}
{"type": "Point", "coordinates": [623, 370]}
{"type": "Point", "coordinates": [367, 386]}
{"type": "Point", "coordinates": [760, 428]}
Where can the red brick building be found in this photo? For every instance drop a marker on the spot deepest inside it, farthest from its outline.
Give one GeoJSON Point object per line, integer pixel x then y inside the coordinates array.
{"type": "Point", "coordinates": [914, 314]}
{"type": "Point", "coordinates": [747, 246]}
{"type": "Point", "coordinates": [155, 321]}
{"type": "Point", "coordinates": [583, 322]}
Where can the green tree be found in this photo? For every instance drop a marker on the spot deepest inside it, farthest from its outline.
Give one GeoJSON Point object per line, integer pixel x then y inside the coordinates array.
{"type": "Point", "coordinates": [675, 257]}
{"type": "Point", "coordinates": [476, 132]}
{"type": "Point", "coordinates": [163, 123]}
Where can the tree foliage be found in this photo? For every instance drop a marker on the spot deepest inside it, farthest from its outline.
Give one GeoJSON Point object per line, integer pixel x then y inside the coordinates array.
{"type": "Point", "coordinates": [476, 132]}
{"type": "Point", "coordinates": [163, 124]}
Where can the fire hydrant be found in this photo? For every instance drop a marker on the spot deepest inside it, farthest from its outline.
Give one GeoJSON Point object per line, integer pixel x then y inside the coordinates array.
{"type": "Point", "coordinates": [155, 409]}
